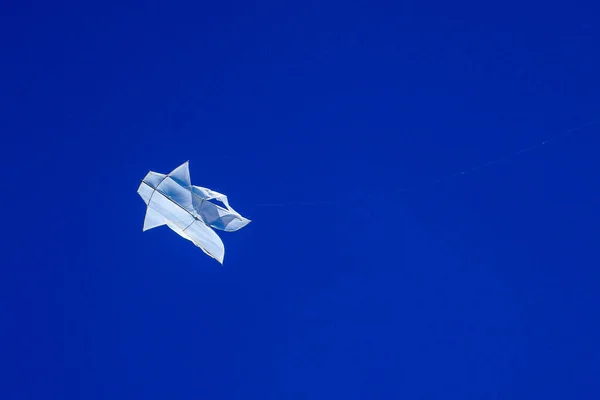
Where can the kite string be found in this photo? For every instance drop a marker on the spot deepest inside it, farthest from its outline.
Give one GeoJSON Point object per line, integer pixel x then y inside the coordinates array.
{"type": "Point", "coordinates": [468, 171]}
{"type": "Point", "coordinates": [296, 203]}
{"type": "Point", "coordinates": [514, 154]}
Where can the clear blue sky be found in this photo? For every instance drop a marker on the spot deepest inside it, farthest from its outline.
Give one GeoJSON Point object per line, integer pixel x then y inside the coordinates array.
{"type": "Point", "coordinates": [484, 286]}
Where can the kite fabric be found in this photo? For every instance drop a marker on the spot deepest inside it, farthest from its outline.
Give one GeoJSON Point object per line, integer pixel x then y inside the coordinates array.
{"type": "Point", "coordinates": [190, 211]}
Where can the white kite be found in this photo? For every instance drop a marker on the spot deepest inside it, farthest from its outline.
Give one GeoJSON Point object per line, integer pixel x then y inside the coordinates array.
{"type": "Point", "coordinates": [189, 210]}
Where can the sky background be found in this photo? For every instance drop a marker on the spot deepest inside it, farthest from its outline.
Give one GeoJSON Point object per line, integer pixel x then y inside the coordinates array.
{"type": "Point", "coordinates": [483, 286]}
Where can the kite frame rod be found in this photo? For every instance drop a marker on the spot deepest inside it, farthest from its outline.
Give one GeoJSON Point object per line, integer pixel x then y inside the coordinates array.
{"type": "Point", "coordinates": [172, 201]}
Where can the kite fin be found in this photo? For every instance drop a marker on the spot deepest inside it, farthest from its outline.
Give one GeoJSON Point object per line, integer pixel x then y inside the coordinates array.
{"type": "Point", "coordinates": [181, 175]}
{"type": "Point", "coordinates": [153, 219]}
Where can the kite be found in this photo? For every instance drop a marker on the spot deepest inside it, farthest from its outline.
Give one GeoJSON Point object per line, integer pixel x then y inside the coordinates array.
{"type": "Point", "coordinates": [191, 211]}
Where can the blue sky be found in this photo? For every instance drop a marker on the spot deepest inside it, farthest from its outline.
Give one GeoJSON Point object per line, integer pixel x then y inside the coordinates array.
{"type": "Point", "coordinates": [483, 286]}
